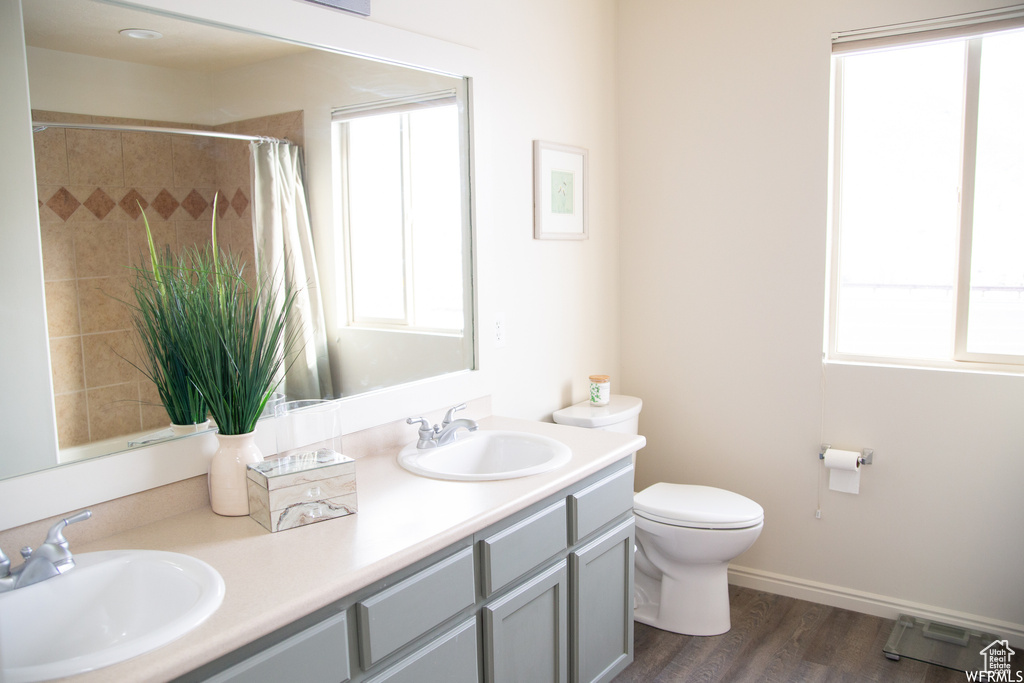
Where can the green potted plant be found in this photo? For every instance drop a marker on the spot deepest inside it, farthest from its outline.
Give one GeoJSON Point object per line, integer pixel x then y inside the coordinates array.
{"type": "Point", "coordinates": [234, 342]}
{"type": "Point", "coordinates": [155, 300]}
{"type": "Point", "coordinates": [230, 336]}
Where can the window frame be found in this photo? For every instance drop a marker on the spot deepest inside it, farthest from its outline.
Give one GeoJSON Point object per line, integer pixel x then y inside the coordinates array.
{"type": "Point", "coordinates": [340, 127]}
{"type": "Point", "coordinates": [961, 358]}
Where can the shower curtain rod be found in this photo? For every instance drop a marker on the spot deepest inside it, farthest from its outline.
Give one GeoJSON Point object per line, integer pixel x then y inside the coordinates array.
{"type": "Point", "coordinates": [38, 126]}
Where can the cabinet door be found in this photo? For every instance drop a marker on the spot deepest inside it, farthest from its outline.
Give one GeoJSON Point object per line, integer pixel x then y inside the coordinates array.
{"type": "Point", "coordinates": [525, 636]}
{"type": "Point", "coordinates": [602, 605]}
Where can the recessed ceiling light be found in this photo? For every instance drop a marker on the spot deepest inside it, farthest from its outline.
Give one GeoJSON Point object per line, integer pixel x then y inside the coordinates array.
{"type": "Point", "coordinates": [141, 33]}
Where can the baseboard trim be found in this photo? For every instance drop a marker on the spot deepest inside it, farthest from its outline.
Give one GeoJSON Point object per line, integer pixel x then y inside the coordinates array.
{"type": "Point", "coordinates": [868, 603]}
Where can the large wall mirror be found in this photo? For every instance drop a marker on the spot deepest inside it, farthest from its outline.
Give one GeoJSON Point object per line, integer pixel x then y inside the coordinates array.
{"type": "Point", "coordinates": [125, 122]}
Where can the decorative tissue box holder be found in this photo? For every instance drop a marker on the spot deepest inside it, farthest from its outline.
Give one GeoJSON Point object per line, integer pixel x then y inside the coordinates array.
{"type": "Point", "coordinates": [301, 489]}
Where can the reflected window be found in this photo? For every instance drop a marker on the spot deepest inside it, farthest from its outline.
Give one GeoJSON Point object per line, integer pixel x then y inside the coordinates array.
{"type": "Point", "coordinates": [399, 194]}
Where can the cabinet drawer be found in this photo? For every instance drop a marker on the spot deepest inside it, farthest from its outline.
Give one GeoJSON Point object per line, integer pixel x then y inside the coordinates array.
{"type": "Point", "coordinates": [410, 608]}
{"type": "Point", "coordinates": [512, 552]}
{"type": "Point", "coordinates": [317, 655]}
{"type": "Point", "coordinates": [600, 503]}
{"type": "Point", "coordinates": [452, 658]}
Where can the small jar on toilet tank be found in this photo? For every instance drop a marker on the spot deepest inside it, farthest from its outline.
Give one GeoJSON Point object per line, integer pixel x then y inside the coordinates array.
{"type": "Point", "coordinates": [600, 390]}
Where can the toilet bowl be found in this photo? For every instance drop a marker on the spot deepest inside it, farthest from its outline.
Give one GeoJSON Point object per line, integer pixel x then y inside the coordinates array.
{"type": "Point", "coordinates": [686, 535]}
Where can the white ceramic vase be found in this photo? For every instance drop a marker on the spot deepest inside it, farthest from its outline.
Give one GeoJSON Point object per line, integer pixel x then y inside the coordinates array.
{"type": "Point", "coordinates": [228, 491]}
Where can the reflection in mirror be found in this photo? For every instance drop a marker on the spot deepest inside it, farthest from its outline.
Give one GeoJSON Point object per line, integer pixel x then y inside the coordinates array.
{"type": "Point", "coordinates": [162, 125]}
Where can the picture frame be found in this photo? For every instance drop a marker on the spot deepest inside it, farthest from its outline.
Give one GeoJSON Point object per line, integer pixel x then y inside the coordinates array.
{"type": "Point", "coordinates": [560, 191]}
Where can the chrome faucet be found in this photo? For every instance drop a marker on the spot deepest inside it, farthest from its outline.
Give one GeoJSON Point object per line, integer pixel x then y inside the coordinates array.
{"type": "Point", "coordinates": [50, 559]}
{"type": "Point", "coordinates": [443, 434]}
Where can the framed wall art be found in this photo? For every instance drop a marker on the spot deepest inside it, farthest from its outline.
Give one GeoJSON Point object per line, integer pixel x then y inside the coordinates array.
{"type": "Point", "coordinates": [559, 191]}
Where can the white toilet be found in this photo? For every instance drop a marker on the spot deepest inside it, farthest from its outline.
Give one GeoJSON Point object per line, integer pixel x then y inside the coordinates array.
{"type": "Point", "coordinates": [686, 536]}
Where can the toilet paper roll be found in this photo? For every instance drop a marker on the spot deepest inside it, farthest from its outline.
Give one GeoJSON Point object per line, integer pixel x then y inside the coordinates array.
{"type": "Point", "coordinates": [844, 470]}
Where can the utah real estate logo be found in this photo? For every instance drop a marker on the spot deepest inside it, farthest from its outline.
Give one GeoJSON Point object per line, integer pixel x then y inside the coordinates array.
{"type": "Point", "coordinates": [997, 657]}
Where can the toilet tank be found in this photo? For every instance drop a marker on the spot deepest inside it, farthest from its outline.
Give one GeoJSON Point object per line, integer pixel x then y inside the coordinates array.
{"type": "Point", "coordinates": [622, 414]}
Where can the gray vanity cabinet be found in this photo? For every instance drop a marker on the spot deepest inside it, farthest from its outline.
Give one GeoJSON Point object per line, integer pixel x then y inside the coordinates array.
{"type": "Point", "coordinates": [545, 595]}
{"type": "Point", "coordinates": [526, 631]}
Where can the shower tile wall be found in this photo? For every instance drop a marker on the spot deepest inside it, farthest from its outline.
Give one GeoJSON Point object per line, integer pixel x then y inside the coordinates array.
{"type": "Point", "coordinates": [90, 187]}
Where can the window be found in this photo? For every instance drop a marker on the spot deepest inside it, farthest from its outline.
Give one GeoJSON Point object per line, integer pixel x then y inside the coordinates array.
{"type": "Point", "coordinates": [927, 238]}
{"type": "Point", "coordinates": [401, 208]}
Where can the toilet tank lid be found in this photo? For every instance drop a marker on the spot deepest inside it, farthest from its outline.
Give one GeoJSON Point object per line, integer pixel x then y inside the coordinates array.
{"type": "Point", "coordinates": [692, 505]}
{"type": "Point", "coordinates": [619, 409]}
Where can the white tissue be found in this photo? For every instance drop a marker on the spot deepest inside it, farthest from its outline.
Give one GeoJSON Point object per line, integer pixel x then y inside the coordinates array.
{"type": "Point", "coordinates": [844, 470]}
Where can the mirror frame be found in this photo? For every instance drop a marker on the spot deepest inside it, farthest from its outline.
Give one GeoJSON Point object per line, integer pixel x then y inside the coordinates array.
{"type": "Point", "coordinates": [62, 488]}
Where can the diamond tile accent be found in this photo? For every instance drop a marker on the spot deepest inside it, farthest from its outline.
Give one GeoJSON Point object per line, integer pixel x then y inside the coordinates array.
{"type": "Point", "coordinates": [100, 203]}
{"type": "Point", "coordinates": [239, 202]}
{"type": "Point", "coordinates": [63, 203]}
{"type": "Point", "coordinates": [130, 203]}
{"type": "Point", "coordinates": [165, 204]}
{"type": "Point", "coordinates": [222, 203]}
{"type": "Point", "coordinates": [194, 204]}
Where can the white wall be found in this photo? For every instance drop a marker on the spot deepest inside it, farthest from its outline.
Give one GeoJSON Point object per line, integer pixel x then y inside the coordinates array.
{"type": "Point", "coordinates": [550, 76]}
{"type": "Point", "coordinates": [67, 82]}
{"type": "Point", "coordinates": [724, 153]}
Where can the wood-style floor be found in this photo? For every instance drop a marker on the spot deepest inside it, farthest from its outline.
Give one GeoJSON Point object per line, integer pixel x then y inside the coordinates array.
{"type": "Point", "coordinates": [775, 638]}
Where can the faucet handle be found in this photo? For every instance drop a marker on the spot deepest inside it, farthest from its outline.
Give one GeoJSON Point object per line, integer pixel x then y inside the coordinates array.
{"type": "Point", "coordinates": [426, 431]}
{"type": "Point", "coordinates": [56, 533]}
{"type": "Point", "coordinates": [5, 564]}
{"type": "Point", "coordinates": [451, 413]}
{"type": "Point", "coordinates": [424, 425]}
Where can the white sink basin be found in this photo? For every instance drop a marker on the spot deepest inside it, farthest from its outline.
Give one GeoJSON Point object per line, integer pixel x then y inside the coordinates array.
{"type": "Point", "coordinates": [487, 455]}
{"type": "Point", "coordinates": [111, 606]}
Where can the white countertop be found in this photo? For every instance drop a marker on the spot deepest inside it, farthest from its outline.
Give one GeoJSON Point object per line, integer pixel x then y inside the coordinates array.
{"type": "Point", "coordinates": [274, 579]}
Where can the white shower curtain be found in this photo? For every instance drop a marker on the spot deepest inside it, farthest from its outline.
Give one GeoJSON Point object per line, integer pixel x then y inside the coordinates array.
{"type": "Point", "coordinates": [284, 245]}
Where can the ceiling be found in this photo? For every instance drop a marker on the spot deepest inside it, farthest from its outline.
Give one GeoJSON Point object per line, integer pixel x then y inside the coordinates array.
{"type": "Point", "coordinates": [91, 28]}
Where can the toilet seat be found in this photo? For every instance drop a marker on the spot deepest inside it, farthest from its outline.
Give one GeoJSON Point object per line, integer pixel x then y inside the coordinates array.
{"type": "Point", "coordinates": [697, 507]}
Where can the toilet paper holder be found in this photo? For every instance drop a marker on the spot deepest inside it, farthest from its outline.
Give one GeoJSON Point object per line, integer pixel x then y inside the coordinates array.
{"type": "Point", "coordinates": [865, 458]}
